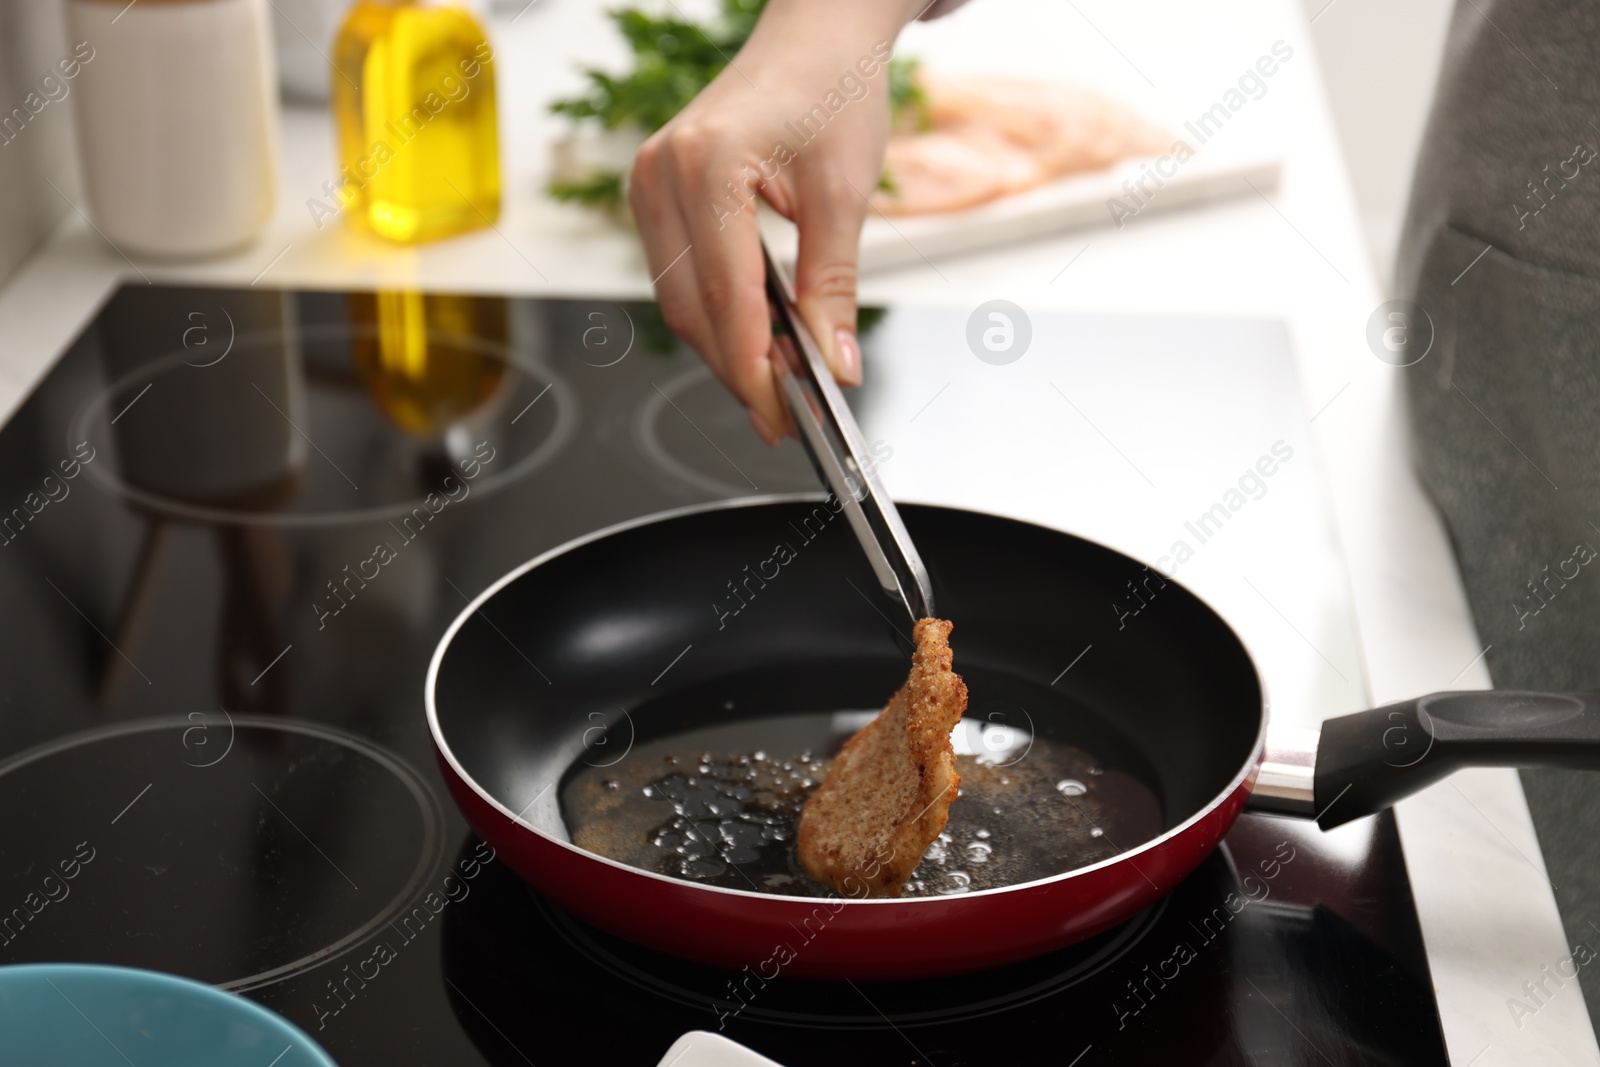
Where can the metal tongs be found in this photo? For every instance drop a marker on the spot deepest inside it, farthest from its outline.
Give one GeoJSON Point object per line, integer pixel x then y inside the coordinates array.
{"type": "Point", "coordinates": [833, 441]}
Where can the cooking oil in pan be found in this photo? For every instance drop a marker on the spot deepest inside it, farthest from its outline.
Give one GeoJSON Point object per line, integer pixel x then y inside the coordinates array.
{"type": "Point", "coordinates": [708, 807]}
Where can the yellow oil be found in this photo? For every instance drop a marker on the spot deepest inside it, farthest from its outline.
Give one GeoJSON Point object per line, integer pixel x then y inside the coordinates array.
{"type": "Point", "coordinates": [414, 103]}
{"type": "Point", "coordinates": [429, 360]}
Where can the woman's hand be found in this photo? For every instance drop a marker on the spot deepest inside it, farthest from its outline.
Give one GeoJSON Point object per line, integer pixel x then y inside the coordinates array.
{"type": "Point", "coordinates": [801, 117]}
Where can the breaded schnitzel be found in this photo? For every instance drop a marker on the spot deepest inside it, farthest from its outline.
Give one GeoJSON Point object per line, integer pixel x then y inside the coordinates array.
{"type": "Point", "coordinates": [889, 791]}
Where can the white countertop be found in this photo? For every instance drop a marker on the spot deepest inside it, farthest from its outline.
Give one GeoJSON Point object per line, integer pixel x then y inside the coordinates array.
{"type": "Point", "coordinates": [1488, 916]}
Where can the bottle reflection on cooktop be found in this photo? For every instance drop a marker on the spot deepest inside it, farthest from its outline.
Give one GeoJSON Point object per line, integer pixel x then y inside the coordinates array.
{"type": "Point", "coordinates": [414, 352]}
{"type": "Point", "coordinates": [219, 432]}
{"type": "Point", "coordinates": [248, 412]}
{"type": "Point", "coordinates": [330, 410]}
{"type": "Point", "coordinates": [204, 412]}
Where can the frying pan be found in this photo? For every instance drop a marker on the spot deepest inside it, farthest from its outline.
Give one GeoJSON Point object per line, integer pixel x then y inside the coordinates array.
{"type": "Point", "coordinates": [740, 612]}
{"type": "Point", "coordinates": [627, 634]}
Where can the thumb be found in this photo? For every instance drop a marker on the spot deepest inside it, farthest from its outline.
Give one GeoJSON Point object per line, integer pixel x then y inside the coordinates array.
{"type": "Point", "coordinates": [825, 278]}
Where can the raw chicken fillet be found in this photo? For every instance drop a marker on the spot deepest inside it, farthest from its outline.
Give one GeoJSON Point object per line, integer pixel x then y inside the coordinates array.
{"type": "Point", "coordinates": [994, 136]}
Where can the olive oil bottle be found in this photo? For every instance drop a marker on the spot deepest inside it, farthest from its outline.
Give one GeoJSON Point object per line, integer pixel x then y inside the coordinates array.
{"type": "Point", "coordinates": [414, 103]}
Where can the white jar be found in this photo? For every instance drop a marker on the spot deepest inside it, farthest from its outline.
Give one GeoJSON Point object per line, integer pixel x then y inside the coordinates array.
{"type": "Point", "coordinates": [177, 123]}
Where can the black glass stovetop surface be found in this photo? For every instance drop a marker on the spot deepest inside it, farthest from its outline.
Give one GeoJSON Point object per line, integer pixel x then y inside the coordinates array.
{"type": "Point", "coordinates": [211, 714]}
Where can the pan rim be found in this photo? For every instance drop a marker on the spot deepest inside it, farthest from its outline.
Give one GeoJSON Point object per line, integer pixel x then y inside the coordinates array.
{"type": "Point", "coordinates": [1250, 766]}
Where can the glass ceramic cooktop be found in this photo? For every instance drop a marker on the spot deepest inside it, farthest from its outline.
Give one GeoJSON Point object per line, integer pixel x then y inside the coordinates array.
{"type": "Point", "coordinates": [234, 526]}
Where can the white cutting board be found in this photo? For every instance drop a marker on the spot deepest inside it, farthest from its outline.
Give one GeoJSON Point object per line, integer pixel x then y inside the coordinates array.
{"type": "Point", "coordinates": [1076, 202]}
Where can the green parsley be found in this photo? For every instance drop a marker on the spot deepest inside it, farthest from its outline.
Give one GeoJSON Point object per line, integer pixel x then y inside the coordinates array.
{"type": "Point", "coordinates": [673, 59]}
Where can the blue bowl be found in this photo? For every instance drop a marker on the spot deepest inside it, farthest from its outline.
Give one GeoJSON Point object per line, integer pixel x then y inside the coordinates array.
{"type": "Point", "coordinates": [87, 1015]}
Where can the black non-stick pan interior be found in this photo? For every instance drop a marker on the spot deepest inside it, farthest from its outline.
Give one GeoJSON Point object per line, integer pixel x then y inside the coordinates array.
{"type": "Point", "coordinates": [769, 608]}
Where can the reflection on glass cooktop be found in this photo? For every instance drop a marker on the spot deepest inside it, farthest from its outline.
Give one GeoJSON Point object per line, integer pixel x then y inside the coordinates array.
{"type": "Point", "coordinates": [1246, 963]}
{"type": "Point", "coordinates": [234, 524]}
{"type": "Point", "coordinates": [146, 893]}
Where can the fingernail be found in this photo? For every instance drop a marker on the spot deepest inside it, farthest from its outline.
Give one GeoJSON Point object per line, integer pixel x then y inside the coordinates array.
{"type": "Point", "coordinates": [849, 357]}
{"type": "Point", "coordinates": [762, 429]}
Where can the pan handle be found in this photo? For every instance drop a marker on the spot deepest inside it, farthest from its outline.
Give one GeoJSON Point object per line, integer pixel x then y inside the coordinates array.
{"type": "Point", "coordinates": [1367, 761]}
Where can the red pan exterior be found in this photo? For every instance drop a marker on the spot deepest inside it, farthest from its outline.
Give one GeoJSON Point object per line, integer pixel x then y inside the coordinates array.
{"type": "Point", "coordinates": [838, 939]}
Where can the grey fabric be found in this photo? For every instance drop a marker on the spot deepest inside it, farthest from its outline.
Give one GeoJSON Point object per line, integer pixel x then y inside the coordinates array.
{"type": "Point", "coordinates": [1511, 101]}
{"type": "Point", "coordinates": [1505, 409]}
